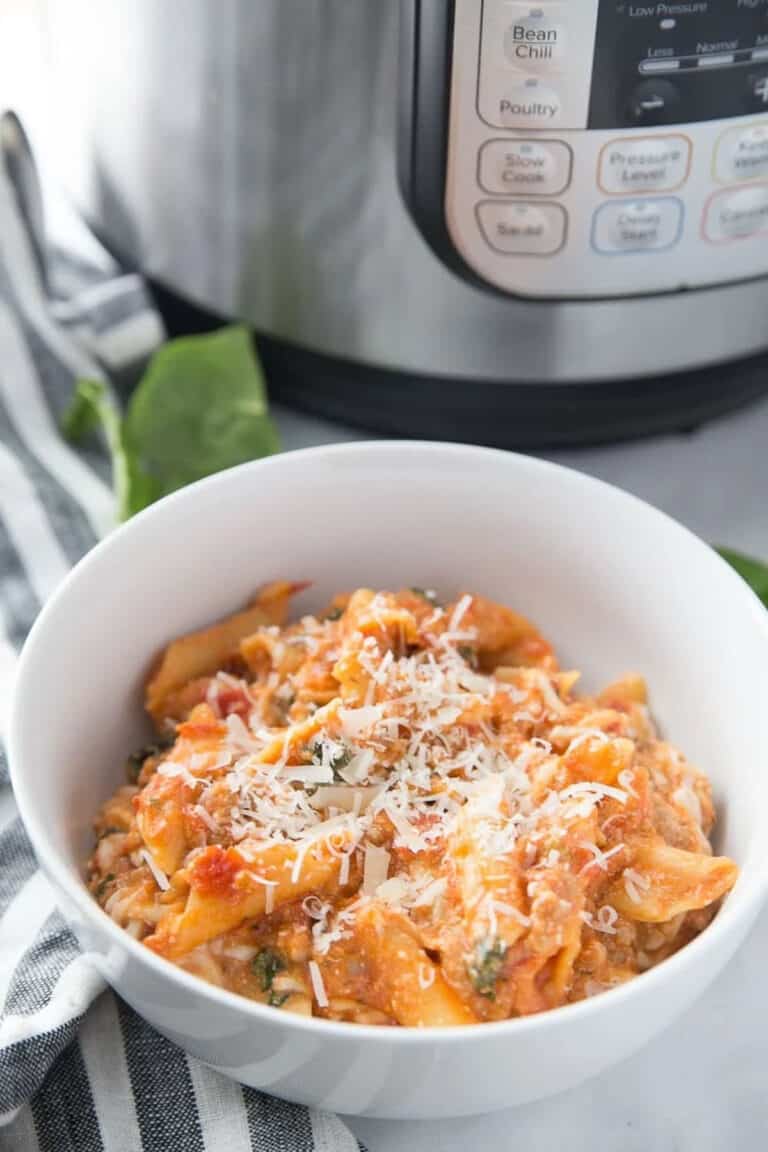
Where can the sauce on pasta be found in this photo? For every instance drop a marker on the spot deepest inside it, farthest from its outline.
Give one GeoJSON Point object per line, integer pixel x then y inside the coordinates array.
{"type": "Point", "coordinates": [402, 812]}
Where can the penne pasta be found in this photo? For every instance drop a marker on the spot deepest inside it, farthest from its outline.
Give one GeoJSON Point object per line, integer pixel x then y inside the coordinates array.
{"type": "Point", "coordinates": [665, 882]}
{"type": "Point", "coordinates": [399, 812]}
{"type": "Point", "coordinates": [408, 985]}
{"type": "Point", "coordinates": [226, 888]}
{"type": "Point", "coordinates": [201, 653]}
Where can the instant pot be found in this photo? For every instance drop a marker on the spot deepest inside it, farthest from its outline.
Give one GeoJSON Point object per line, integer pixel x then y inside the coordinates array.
{"type": "Point", "coordinates": [480, 219]}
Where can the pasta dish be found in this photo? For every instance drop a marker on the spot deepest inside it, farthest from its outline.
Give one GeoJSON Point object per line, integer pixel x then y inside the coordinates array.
{"type": "Point", "coordinates": [401, 812]}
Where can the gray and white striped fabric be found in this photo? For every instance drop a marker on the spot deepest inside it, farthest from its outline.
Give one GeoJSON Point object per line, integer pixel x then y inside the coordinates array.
{"type": "Point", "coordinates": [79, 1070]}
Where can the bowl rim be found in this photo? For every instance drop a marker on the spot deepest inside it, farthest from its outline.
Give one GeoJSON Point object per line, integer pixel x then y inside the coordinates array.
{"type": "Point", "coordinates": [730, 917]}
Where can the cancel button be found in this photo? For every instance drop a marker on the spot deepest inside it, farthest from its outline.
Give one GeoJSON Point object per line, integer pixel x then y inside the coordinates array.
{"type": "Point", "coordinates": [637, 225]}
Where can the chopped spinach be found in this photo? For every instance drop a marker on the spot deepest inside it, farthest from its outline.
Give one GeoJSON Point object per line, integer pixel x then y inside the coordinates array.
{"type": "Point", "coordinates": [102, 886]}
{"type": "Point", "coordinates": [266, 964]}
{"type": "Point", "coordinates": [282, 706]}
{"type": "Point", "coordinates": [468, 654]}
{"type": "Point", "coordinates": [135, 761]}
{"type": "Point", "coordinates": [755, 572]}
{"type": "Point", "coordinates": [134, 765]}
{"type": "Point", "coordinates": [339, 759]}
{"type": "Point", "coordinates": [277, 999]}
{"type": "Point", "coordinates": [485, 966]}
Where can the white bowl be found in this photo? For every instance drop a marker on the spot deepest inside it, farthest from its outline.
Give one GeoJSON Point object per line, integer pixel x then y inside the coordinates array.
{"type": "Point", "coordinates": [617, 586]}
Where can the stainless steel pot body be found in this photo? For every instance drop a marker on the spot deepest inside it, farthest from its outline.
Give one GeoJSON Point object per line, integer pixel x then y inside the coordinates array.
{"type": "Point", "coordinates": [243, 152]}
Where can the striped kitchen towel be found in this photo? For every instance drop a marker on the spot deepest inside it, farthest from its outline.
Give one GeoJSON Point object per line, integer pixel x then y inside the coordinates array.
{"type": "Point", "coordinates": [79, 1070]}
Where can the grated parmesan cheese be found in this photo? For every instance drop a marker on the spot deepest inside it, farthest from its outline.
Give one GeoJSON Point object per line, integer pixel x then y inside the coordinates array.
{"type": "Point", "coordinates": [635, 885]}
{"type": "Point", "coordinates": [375, 868]}
{"type": "Point", "coordinates": [627, 778]}
{"type": "Point", "coordinates": [318, 987]}
{"type": "Point", "coordinates": [160, 877]}
{"type": "Point", "coordinates": [425, 975]}
{"type": "Point", "coordinates": [593, 790]}
{"type": "Point", "coordinates": [604, 921]}
{"type": "Point", "coordinates": [202, 812]}
{"type": "Point", "coordinates": [429, 895]}
{"type": "Point", "coordinates": [355, 721]}
{"type": "Point", "coordinates": [599, 857]}
{"type": "Point", "coordinates": [504, 909]}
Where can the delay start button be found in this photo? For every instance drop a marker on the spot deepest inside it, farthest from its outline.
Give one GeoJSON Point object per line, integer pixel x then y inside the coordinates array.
{"type": "Point", "coordinates": [534, 38]}
{"type": "Point", "coordinates": [518, 228]}
{"type": "Point", "coordinates": [637, 225]}
{"type": "Point", "coordinates": [644, 164]}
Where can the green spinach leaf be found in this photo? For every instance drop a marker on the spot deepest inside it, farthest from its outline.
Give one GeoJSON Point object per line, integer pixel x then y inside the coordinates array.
{"type": "Point", "coordinates": [753, 571]}
{"type": "Point", "coordinates": [266, 964]}
{"type": "Point", "coordinates": [486, 965]}
{"type": "Point", "coordinates": [200, 407]}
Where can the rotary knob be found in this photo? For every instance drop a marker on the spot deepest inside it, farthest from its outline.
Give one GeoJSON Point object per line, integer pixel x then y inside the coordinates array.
{"type": "Point", "coordinates": [654, 102]}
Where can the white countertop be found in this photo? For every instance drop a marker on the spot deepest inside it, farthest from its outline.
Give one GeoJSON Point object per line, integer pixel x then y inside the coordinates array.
{"type": "Point", "coordinates": [701, 1086]}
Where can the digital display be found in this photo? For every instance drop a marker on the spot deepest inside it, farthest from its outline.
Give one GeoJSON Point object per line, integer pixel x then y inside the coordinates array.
{"type": "Point", "coordinates": [676, 63]}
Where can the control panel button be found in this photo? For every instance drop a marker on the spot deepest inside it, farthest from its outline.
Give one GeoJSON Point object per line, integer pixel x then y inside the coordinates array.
{"type": "Point", "coordinates": [644, 164]}
{"type": "Point", "coordinates": [533, 167]}
{"type": "Point", "coordinates": [519, 228]}
{"type": "Point", "coordinates": [737, 214]}
{"type": "Point", "coordinates": [547, 43]}
{"type": "Point", "coordinates": [529, 104]}
{"type": "Point", "coordinates": [757, 91]}
{"type": "Point", "coordinates": [637, 225]}
{"type": "Point", "coordinates": [742, 154]}
{"type": "Point", "coordinates": [534, 37]}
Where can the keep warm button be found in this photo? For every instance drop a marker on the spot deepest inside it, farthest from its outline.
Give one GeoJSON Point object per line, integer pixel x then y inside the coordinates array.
{"type": "Point", "coordinates": [637, 225]}
{"type": "Point", "coordinates": [520, 228]}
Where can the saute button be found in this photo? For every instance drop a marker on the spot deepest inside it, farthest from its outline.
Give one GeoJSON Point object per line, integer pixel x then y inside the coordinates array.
{"type": "Point", "coordinates": [646, 164]}
{"type": "Point", "coordinates": [534, 36]}
{"type": "Point", "coordinates": [523, 229]}
{"type": "Point", "coordinates": [737, 215]}
{"type": "Point", "coordinates": [637, 225]}
{"type": "Point", "coordinates": [742, 154]}
{"type": "Point", "coordinates": [536, 167]}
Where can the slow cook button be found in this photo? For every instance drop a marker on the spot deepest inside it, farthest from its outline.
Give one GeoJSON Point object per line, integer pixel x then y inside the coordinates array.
{"type": "Point", "coordinates": [535, 167]}
{"type": "Point", "coordinates": [523, 229]}
{"type": "Point", "coordinates": [534, 36]}
{"type": "Point", "coordinates": [742, 154]}
{"type": "Point", "coordinates": [737, 215]}
{"type": "Point", "coordinates": [637, 225]}
{"type": "Point", "coordinates": [529, 104]}
{"type": "Point", "coordinates": [644, 164]}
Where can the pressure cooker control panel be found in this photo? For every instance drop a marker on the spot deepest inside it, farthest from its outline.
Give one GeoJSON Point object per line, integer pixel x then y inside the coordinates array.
{"type": "Point", "coordinates": [601, 148]}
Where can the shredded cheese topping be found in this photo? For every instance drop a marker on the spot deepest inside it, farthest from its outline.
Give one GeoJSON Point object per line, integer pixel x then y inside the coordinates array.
{"type": "Point", "coordinates": [318, 987]}
{"type": "Point", "coordinates": [401, 784]}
